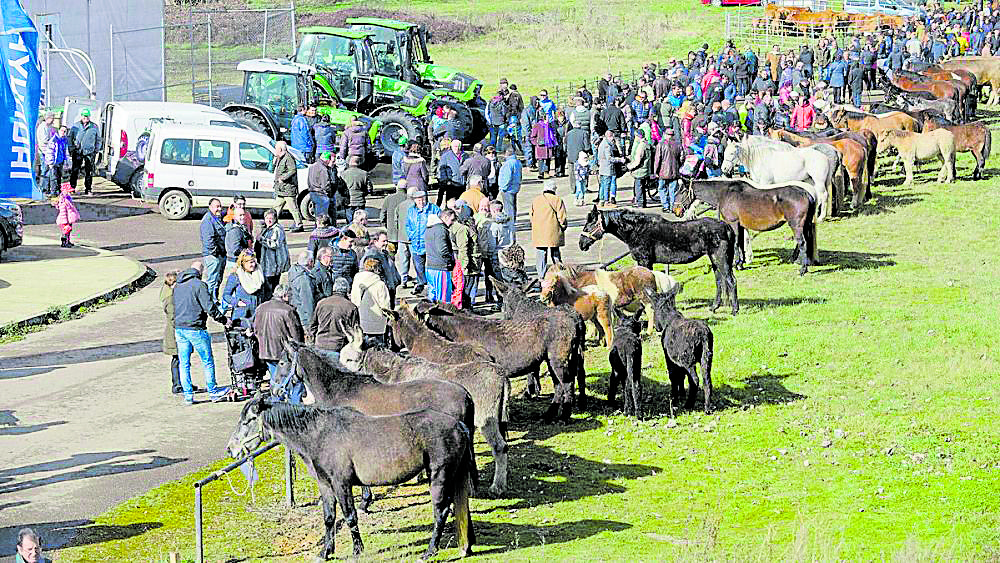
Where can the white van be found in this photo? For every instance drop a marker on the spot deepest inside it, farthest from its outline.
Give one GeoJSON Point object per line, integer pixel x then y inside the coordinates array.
{"type": "Point", "coordinates": [125, 132]}
{"type": "Point", "coordinates": [188, 165]}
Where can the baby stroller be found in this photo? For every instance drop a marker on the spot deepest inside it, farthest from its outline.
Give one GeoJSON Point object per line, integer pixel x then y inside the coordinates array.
{"type": "Point", "coordinates": [245, 367]}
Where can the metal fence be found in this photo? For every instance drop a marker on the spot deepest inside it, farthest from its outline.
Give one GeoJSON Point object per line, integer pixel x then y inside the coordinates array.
{"type": "Point", "coordinates": [799, 22]}
{"type": "Point", "coordinates": [199, 54]}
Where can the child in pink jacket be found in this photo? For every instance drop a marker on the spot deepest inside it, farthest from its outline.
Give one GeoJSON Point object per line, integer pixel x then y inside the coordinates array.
{"type": "Point", "coordinates": [68, 213]}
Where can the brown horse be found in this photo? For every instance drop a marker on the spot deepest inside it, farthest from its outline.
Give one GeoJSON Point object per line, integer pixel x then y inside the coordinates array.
{"type": "Point", "coordinates": [939, 88]}
{"type": "Point", "coordinates": [743, 206]}
{"type": "Point", "coordinates": [986, 69]}
{"type": "Point", "coordinates": [591, 302]}
{"type": "Point", "coordinates": [968, 79]}
{"type": "Point", "coordinates": [970, 137]}
{"type": "Point", "coordinates": [854, 154]}
{"type": "Point", "coordinates": [854, 121]}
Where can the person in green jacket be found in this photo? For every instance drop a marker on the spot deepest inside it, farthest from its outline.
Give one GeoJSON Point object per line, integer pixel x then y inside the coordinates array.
{"type": "Point", "coordinates": [286, 185]}
{"type": "Point", "coordinates": [640, 164]}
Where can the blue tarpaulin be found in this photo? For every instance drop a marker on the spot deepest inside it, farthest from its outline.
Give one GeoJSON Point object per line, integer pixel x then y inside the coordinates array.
{"type": "Point", "coordinates": [20, 88]}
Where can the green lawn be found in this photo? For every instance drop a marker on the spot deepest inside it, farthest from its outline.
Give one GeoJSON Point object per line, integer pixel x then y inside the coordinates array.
{"type": "Point", "coordinates": [856, 414]}
{"type": "Point", "coordinates": [856, 419]}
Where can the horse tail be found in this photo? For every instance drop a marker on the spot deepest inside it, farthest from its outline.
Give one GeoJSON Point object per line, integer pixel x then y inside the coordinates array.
{"type": "Point", "coordinates": [987, 145]}
{"type": "Point", "coordinates": [706, 368]}
{"type": "Point", "coordinates": [466, 482]}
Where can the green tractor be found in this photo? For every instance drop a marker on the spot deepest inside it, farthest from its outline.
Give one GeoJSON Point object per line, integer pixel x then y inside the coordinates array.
{"type": "Point", "coordinates": [345, 54]}
{"type": "Point", "coordinates": [406, 45]}
{"type": "Point", "coordinates": [273, 89]}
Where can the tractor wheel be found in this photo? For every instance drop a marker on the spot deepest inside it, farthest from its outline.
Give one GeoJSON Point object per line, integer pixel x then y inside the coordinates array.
{"type": "Point", "coordinates": [396, 123]}
{"type": "Point", "coordinates": [480, 129]}
{"type": "Point", "coordinates": [468, 134]}
{"type": "Point", "coordinates": [250, 120]}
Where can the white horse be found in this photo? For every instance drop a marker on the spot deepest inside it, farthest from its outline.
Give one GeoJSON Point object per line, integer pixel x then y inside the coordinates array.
{"type": "Point", "coordinates": [767, 163]}
{"type": "Point", "coordinates": [836, 180]}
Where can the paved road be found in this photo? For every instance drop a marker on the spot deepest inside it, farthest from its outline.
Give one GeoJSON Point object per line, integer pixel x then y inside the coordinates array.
{"type": "Point", "coordinates": [87, 419]}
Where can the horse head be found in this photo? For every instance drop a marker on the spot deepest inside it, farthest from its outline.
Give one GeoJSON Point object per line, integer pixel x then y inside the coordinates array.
{"type": "Point", "coordinates": [664, 304]}
{"type": "Point", "coordinates": [732, 156]}
{"type": "Point", "coordinates": [593, 229]}
{"type": "Point", "coordinates": [353, 352]}
{"type": "Point", "coordinates": [250, 431]}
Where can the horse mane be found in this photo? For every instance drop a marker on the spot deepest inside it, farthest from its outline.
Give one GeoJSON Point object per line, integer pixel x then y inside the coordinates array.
{"type": "Point", "coordinates": [343, 375]}
{"type": "Point", "coordinates": [628, 222]}
{"type": "Point", "coordinates": [300, 418]}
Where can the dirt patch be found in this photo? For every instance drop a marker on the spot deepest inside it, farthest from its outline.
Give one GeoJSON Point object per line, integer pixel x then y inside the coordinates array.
{"type": "Point", "coordinates": [442, 30]}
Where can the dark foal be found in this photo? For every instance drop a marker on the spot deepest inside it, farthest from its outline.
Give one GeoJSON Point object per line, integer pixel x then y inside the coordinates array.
{"type": "Point", "coordinates": [626, 363]}
{"type": "Point", "coordinates": [685, 342]}
{"type": "Point", "coordinates": [342, 447]}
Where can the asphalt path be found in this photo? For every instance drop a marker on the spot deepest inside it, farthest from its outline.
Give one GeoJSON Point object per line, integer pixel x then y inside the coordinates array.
{"type": "Point", "coordinates": [88, 419]}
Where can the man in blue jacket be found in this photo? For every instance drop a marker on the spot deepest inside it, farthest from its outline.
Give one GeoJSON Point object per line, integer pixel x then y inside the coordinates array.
{"type": "Point", "coordinates": [509, 182]}
{"type": "Point", "coordinates": [838, 77]}
{"type": "Point", "coordinates": [302, 135]}
{"type": "Point", "coordinates": [192, 307]}
{"type": "Point", "coordinates": [213, 246]}
{"type": "Point", "coordinates": [416, 226]}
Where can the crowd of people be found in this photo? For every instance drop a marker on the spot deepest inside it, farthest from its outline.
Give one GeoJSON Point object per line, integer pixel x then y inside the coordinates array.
{"type": "Point", "coordinates": [672, 122]}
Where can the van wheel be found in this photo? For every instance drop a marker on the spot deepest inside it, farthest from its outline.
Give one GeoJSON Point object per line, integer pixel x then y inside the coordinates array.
{"type": "Point", "coordinates": [175, 205]}
{"type": "Point", "coordinates": [135, 184]}
{"type": "Point", "coordinates": [307, 208]}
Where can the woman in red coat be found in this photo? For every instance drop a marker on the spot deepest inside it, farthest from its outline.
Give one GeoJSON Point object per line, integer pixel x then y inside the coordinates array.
{"type": "Point", "coordinates": [544, 141]}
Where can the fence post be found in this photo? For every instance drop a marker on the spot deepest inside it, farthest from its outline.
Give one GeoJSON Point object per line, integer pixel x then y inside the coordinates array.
{"type": "Point", "coordinates": [199, 547]}
{"type": "Point", "coordinates": [263, 53]}
{"type": "Point", "coordinates": [111, 33]}
{"type": "Point", "coordinates": [289, 477]}
{"type": "Point", "coordinates": [210, 83]}
{"type": "Point", "coordinates": [291, 14]}
{"type": "Point", "coordinates": [163, 55]}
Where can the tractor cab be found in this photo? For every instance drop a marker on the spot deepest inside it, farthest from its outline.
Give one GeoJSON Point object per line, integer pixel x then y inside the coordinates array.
{"type": "Point", "coordinates": [407, 46]}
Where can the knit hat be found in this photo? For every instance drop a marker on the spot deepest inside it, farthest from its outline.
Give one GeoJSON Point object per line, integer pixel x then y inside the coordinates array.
{"type": "Point", "coordinates": [66, 188]}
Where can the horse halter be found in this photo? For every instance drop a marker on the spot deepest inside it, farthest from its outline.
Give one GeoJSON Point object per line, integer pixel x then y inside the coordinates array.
{"type": "Point", "coordinates": [280, 391]}
{"type": "Point", "coordinates": [597, 232]}
{"type": "Point", "coordinates": [258, 436]}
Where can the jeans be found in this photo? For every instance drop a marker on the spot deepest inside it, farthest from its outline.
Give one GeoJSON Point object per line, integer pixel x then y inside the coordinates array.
{"type": "Point", "coordinates": [856, 97]}
{"type": "Point", "coordinates": [281, 202]}
{"type": "Point", "coordinates": [581, 188]}
{"type": "Point", "coordinates": [639, 192]}
{"type": "Point", "coordinates": [296, 388]}
{"type": "Point", "coordinates": [52, 180]}
{"type": "Point", "coordinates": [510, 208]}
{"type": "Point", "coordinates": [541, 259]}
{"type": "Point", "coordinates": [212, 272]}
{"type": "Point", "coordinates": [490, 272]}
{"type": "Point", "coordinates": [529, 153]}
{"type": "Point", "coordinates": [470, 291]}
{"type": "Point", "coordinates": [420, 268]}
{"type": "Point", "coordinates": [543, 166]}
{"type": "Point", "coordinates": [321, 203]}
{"type": "Point", "coordinates": [609, 187]}
{"type": "Point", "coordinates": [198, 340]}
{"type": "Point", "coordinates": [403, 260]}
{"type": "Point", "coordinates": [497, 134]}
{"type": "Point", "coordinates": [668, 193]}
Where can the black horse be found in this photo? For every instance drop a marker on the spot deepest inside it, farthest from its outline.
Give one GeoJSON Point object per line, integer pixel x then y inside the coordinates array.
{"type": "Point", "coordinates": [652, 239]}
{"type": "Point", "coordinates": [343, 448]}
{"type": "Point", "coordinates": [331, 385]}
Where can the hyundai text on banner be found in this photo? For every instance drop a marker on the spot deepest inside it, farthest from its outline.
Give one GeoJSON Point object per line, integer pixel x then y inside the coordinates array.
{"type": "Point", "coordinates": [20, 88]}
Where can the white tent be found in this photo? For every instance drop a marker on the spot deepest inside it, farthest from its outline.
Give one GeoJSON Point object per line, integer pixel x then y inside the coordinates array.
{"type": "Point", "coordinates": [128, 63]}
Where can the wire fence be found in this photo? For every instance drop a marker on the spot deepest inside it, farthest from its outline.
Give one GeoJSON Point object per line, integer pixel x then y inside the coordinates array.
{"type": "Point", "coordinates": [198, 55]}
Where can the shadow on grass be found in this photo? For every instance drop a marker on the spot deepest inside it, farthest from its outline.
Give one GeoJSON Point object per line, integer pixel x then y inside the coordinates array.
{"type": "Point", "coordinates": [540, 476]}
{"type": "Point", "coordinates": [508, 536]}
{"type": "Point", "coordinates": [768, 389]}
{"type": "Point", "coordinates": [73, 533]}
{"type": "Point", "coordinates": [887, 201]}
{"type": "Point", "coordinates": [701, 303]}
{"type": "Point", "coordinates": [839, 259]}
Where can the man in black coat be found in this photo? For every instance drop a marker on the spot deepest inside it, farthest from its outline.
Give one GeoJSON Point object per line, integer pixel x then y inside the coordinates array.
{"type": "Point", "coordinates": [855, 82]}
{"type": "Point", "coordinates": [344, 261]}
{"type": "Point", "coordinates": [440, 255]}
{"type": "Point", "coordinates": [614, 120]}
{"type": "Point", "coordinates": [577, 141]}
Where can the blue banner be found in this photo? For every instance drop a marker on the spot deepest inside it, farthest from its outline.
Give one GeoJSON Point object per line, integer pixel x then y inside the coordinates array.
{"type": "Point", "coordinates": [20, 89]}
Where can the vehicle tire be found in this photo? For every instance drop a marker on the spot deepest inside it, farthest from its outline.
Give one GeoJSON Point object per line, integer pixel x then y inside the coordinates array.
{"type": "Point", "coordinates": [396, 121]}
{"type": "Point", "coordinates": [306, 208]}
{"type": "Point", "coordinates": [250, 120]}
{"type": "Point", "coordinates": [480, 129]}
{"type": "Point", "coordinates": [3, 245]}
{"type": "Point", "coordinates": [135, 183]}
{"type": "Point", "coordinates": [175, 205]}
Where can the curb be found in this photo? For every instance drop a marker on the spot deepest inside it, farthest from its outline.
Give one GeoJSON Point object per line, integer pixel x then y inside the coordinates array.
{"type": "Point", "coordinates": [142, 277]}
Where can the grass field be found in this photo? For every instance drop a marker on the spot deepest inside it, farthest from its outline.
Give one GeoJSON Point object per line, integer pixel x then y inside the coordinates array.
{"type": "Point", "coordinates": [856, 414]}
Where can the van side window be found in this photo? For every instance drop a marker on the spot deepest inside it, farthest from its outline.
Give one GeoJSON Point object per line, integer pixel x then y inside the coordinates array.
{"type": "Point", "coordinates": [214, 154]}
{"type": "Point", "coordinates": [255, 157]}
{"type": "Point", "coordinates": [224, 123]}
{"type": "Point", "coordinates": [176, 151]}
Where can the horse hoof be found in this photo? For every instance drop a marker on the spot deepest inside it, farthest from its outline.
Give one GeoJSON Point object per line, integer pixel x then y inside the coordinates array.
{"type": "Point", "coordinates": [428, 554]}
{"type": "Point", "coordinates": [803, 270]}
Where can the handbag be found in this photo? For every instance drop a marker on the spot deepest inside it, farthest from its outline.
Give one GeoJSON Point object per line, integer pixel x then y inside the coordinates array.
{"type": "Point", "coordinates": [690, 165]}
{"type": "Point", "coordinates": [245, 359]}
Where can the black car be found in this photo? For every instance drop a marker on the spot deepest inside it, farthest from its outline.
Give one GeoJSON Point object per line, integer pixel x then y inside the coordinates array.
{"type": "Point", "coordinates": [11, 225]}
